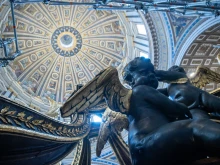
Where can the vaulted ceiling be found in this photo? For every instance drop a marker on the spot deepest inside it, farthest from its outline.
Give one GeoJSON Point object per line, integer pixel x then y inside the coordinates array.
{"type": "Point", "coordinates": [63, 46]}
{"type": "Point", "coordinates": [203, 52]}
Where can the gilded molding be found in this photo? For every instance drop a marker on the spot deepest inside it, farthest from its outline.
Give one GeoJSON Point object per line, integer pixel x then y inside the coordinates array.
{"type": "Point", "coordinates": [29, 123]}
{"type": "Point", "coordinates": [79, 148]}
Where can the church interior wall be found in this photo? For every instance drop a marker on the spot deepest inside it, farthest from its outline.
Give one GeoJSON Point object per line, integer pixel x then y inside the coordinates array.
{"type": "Point", "coordinates": [168, 41]}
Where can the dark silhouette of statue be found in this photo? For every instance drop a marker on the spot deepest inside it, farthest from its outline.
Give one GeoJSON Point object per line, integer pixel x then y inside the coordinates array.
{"type": "Point", "coordinates": [153, 138]}
{"type": "Point", "coordinates": [198, 101]}
{"type": "Point", "coordinates": [161, 131]}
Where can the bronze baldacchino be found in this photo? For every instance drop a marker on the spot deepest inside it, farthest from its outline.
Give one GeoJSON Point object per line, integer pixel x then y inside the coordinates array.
{"type": "Point", "coordinates": [160, 131]}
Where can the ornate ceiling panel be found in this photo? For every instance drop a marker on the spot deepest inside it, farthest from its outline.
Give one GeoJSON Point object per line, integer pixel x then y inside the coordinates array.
{"type": "Point", "coordinates": [179, 28]}
{"type": "Point", "coordinates": [179, 24]}
{"type": "Point", "coordinates": [63, 46]}
{"type": "Point", "coordinates": [203, 52]}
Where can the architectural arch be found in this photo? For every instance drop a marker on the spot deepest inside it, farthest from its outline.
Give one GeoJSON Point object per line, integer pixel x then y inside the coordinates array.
{"type": "Point", "coordinates": [193, 35]}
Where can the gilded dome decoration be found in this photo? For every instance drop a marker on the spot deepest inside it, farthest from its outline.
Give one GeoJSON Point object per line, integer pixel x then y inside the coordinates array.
{"type": "Point", "coordinates": [66, 41]}
{"type": "Point", "coordinates": [63, 46]}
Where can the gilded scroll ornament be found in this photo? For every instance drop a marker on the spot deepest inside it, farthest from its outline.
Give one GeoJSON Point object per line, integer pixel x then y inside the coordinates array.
{"type": "Point", "coordinates": [39, 124]}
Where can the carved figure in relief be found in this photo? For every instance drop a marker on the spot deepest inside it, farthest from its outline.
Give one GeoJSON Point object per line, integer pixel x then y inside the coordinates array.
{"type": "Point", "coordinates": [155, 137]}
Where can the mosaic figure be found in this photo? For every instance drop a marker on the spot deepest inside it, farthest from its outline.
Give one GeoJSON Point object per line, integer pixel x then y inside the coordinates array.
{"type": "Point", "coordinates": [37, 76]}
{"type": "Point", "coordinates": [21, 26]}
{"type": "Point", "coordinates": [31, 10]}
{"type": "Point", "coordinates": [179, 22]}
{"type": "Point", "coordinates": [69, 86]}
{"type": "Point", "coordinates": [52, 84]}
{"type": "Point", "coordinates": [24, 62]}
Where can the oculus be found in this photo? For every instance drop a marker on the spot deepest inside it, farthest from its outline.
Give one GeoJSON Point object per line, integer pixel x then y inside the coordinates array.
{"type": "Point", "coordinates": [66, 41]}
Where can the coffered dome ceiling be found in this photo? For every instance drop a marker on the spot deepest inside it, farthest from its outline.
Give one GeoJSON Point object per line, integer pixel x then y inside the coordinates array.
{"type": "Point", "coordinates": [204, 51]}
{"type": "Point", "coordinates": [63, 46]}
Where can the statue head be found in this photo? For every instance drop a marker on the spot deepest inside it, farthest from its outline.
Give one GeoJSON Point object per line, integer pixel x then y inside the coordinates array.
{"type": "Point", "coordinates": [140, 71]}
{"type": "Point", "coordinates": [176, 68]}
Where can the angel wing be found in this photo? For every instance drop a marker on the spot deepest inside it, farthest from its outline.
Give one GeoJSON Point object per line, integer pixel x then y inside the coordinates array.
{"type": "Point", "coordinates": [216, 92]}
{"type": "Point", "coordinates": [203, 76]}
{"type": "Point", "coordinates": [105, 85]}
{"type": "Point", "coordinates": [218, 58]}
{"type": "Point", "coordinates": [113, 122]}
{"type": "Point", "coordinates": [53, 112]}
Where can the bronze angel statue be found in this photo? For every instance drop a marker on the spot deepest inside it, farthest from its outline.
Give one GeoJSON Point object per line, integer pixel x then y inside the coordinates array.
{"type": "Point", "coordinates": [165, 126]}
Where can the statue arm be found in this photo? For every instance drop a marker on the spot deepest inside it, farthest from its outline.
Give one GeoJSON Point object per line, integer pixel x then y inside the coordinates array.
{"type": "Point", "coordinates": [210, 103]}
{"type": "Point", "coordinates": [163, 103]}
{"type": "Point", "coordinates": [163, 91]}
{"type": "Point", "coordinates": [169, 76]}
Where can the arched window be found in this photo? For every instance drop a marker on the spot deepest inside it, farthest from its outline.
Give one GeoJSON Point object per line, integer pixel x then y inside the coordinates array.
{"type": "Point", "coordinates": [141, 29]}
{"type": "Point", "coordinates": [95, 118]}
{"type": "Point", "coordinates": [142, 54]}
